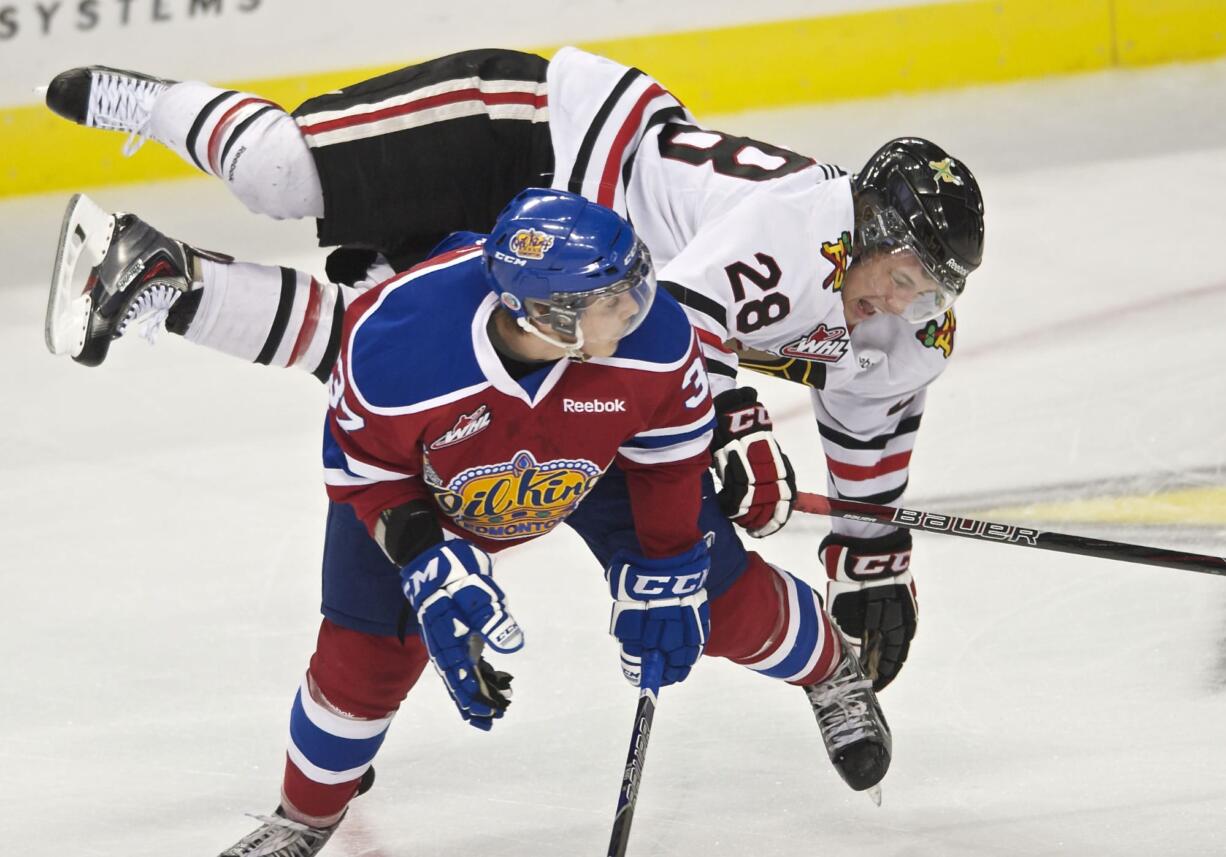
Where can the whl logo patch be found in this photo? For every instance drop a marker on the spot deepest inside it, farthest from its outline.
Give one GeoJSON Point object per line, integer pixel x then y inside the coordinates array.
{"type": "Point", "coordinates": [824, 345]}
{"type": "Point", "coordinates": [465, 427]}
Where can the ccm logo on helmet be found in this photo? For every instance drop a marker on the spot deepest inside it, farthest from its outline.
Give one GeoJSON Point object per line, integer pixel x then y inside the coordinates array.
{"type": "Point", "coordinates": [594, 406]}
{"type": "Point", "coordinates": [510, 260]}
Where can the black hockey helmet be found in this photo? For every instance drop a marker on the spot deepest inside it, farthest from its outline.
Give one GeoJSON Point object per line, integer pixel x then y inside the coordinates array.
{"type": "Point", "coordinates": [911, 193]}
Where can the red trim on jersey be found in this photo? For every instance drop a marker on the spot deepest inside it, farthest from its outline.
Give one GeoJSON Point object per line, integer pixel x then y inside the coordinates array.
{"type": "Point", "coordinates": [712, 340]}
{"type": "Point", "coordinates": [443, 98]}
{"type": "Point", "coordinates": [223, 125]}
{"type": "Point", "coordinates": [861, 473]}
{"type": "Point", "coordinates": [833, 560]}
{"type": "Point", "coordinates": [613, 164]}
{"type": "Point", "coordinates": [310, 322]}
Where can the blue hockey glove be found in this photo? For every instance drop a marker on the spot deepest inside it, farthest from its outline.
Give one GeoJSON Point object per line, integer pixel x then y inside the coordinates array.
{"type": "Point", "coordinates": [460, 609]}
{"type": "Point", "coordinates": [871, 597]}
{"type": "Point", "coordinates": [660, 605]}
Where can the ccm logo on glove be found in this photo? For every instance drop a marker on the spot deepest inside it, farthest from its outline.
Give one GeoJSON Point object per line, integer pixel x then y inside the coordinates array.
{"type": "Point", "coordinates": [654, 586]}
{"type": "Point", "coordinates": [413, 581]}
{"type": "Point", "coordinates": [744, 420]}
{"type": "Point", "coordinates": [881, 565]}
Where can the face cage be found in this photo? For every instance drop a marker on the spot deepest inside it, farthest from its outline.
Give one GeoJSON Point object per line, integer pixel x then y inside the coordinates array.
{"type": "Point", "coordinates": [565, 309]}
{"type": "Point", "coordinates": [888, 233]}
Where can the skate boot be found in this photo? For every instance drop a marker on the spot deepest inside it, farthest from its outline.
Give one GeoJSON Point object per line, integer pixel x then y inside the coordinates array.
{"type": "Point", "coordinates": [853, 727]}
{"type": "Point", "coordinates": [101, 97]}
{"type": "Point", "coordinates": [137, 275]}
{"type": "Point", "coordinates": [277, 836]}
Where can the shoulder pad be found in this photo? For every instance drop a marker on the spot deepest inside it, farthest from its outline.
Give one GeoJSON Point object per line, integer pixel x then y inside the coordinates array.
{"type": "Point", "coordinates": [414, 343]}
{"type": "Point", "coordinates": [456, 240]}
{"type": "Point", "coordinates": [663, 338]}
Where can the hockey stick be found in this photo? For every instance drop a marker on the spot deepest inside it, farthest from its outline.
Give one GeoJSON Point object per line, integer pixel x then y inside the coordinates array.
{"type": "Point", "coordinates": [636, 757]}
{"type": "Point", "coordinates": [931, 522]}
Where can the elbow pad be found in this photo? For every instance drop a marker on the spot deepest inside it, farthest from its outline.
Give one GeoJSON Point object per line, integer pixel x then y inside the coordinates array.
{"type": "Point", "coordinates": [406, 530]}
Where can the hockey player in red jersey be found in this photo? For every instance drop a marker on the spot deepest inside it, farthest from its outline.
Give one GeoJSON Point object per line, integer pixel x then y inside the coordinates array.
{"type": "Point", "coordinates": [784, 265]}
{"type": "Point", "coordinates": [558, 376]}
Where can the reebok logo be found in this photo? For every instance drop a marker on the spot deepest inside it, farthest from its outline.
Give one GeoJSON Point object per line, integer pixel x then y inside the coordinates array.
{"type": "Point", "coordinates": [594, 406]}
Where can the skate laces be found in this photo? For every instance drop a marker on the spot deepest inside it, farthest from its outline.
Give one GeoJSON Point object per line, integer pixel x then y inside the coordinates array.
{"type": "Point", "coordinates": [149, 308]}
{"type": "Point", "coordinates": [121, 102]}
{"type": "Point", "coordinates": [279, 837]}
{"type": "Point", "coordinates": [842, 708]}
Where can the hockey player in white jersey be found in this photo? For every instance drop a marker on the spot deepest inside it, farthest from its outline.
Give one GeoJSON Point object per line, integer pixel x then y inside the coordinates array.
{"type": "Point", "coordinates": [784, 265]}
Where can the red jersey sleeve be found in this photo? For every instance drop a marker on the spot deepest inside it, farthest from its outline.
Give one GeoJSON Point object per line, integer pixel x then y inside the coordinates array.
{"type": "Point", "coordinates": [665, 461]}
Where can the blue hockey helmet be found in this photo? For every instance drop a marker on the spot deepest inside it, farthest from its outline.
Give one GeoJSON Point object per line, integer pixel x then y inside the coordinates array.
{"type": "Point", "coordinates": [552, 256]}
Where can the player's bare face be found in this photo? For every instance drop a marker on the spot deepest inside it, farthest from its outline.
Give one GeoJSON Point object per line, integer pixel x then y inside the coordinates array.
{"type": "Point", "coordinates": [883, 282]}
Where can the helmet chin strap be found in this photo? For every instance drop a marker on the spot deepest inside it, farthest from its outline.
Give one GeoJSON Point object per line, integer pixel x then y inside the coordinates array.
{"type": "Point", "coordinates": [573, 350]}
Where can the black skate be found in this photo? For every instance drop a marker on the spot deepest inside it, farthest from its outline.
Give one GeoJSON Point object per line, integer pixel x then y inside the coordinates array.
{"type": "Point", "coordinates": [853, 727]}
{"type": "Point", "coordinates": [111, 98]}
{"type": "Point", "coordinates": [137, 274]}
{"type": "Point", "coordinates": [277, 836]}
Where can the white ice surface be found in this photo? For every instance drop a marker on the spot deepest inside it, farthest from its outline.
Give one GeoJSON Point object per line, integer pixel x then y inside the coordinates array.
{"type": "Point", "coordinates": [160, 533]}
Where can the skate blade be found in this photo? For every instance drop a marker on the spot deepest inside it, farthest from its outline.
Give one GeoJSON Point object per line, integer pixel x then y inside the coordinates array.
{"type": "Point", "coordinates": [84, 238]}
{"type": "Point", "coordinates": [874, 794]}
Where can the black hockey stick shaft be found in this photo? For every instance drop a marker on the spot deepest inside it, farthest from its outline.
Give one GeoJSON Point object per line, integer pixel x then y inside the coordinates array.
{"type": "Point", "coordinates": [636, 757]}
{"type": "Point", "coordinates": [931, 522]}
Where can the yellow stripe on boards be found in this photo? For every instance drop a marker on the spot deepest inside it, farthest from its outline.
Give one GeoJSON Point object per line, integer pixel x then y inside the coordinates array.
{"type": "Point", "coordinates": [1158, 31]}
{"type": "Point", "coordinates": [886, 51]}
{"type": "Point", "coordinates": [726, 69]}
{"type": "Point", "coordinates": [1189, 506]}
{"type": "Point", "coordinates": [43, 152]}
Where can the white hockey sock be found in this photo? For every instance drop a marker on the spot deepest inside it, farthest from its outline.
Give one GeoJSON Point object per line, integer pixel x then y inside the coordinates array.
{"type": "Point", "coordinates": [267, 314]}
{"type": "Point", "coordinates": [248, 142]}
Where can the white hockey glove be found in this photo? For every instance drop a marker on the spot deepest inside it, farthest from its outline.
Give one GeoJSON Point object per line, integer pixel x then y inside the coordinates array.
{"type": "Point", "coordinates": [871, 597]}
{"type": "Point", "coordinates": [758, 487]}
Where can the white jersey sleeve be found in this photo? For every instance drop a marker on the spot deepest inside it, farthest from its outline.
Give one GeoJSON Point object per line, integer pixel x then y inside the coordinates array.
{"type": "Point", "coordinates": [599, 112]}
{"type": "Point", "coordinates": [868, 426]}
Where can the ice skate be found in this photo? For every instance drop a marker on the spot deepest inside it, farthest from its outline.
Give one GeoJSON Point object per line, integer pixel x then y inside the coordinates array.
{"type": "Point", "coordinates": [111, 98]}
{"type": "Point", "coordinates": [277, 836]}
{"type": "Point", "coordinates": [853, 727]}
{"type": "Point", "coordinates": [111, 271]}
